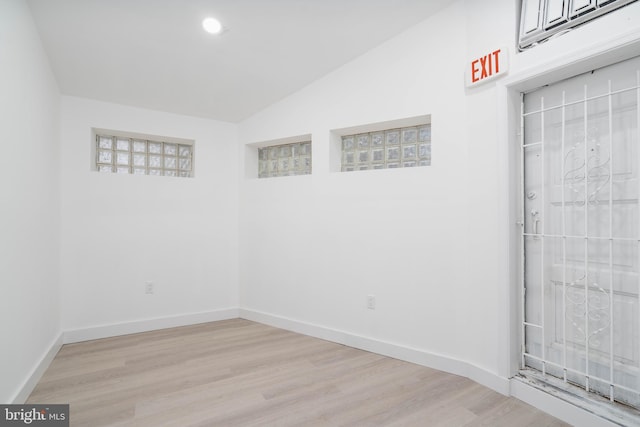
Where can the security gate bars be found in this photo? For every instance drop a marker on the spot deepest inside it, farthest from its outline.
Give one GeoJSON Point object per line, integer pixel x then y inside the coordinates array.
{"type": "Point", "coordinates": [581, 231]}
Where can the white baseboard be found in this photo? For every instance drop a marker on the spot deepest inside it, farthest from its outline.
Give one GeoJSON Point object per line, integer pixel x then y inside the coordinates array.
{"type": "Point", "coordinates": [546, 402]}
{"type": "Point", "coordinates": [515, 387]}
{"type": "Point", "coordinates": [106, 331]}
{"type": "Point", "coordinates": [134, 327]}
{"type": "Point", "coordinates": [419, 357]}
{"type": "Point", "coordinates": [32, 379]}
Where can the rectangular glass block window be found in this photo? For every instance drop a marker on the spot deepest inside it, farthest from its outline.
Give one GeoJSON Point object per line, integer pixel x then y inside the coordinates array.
{"type": "Point", "coordinates": [143, 157]}
{"type": "Point", "coordinates": [285, 160]}
{"type": "Point", "coordinates": [393, 148]}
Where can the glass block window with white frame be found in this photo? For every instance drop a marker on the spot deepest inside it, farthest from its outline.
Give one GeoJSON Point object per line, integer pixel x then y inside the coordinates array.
{"type": "Point", "coordinates": [284, 160]}
{"type": "Point", "coordinates": [137, 156]}
{"type": "Point", "coordinates": [393, 148]}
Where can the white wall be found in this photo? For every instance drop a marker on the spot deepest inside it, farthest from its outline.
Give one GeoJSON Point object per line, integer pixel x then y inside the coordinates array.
{"type": "Point", "coordinates": [29, 207]}
{"type": "Point", "coordinates": [314, 247]}
{"type": "Point", "coordinates": [433, 244]}
{"type": "Point", "coordinates": [119, 231]}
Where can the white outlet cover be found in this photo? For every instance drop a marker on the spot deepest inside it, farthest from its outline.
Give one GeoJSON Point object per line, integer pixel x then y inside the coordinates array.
{"type": "Point", "coordinates": [371, 302]}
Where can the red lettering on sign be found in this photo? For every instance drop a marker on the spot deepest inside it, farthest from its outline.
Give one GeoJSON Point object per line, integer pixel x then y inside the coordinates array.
{"type": "Point", "coordinates": [487, 66]}
{"type": "Point", "coordinates": [483, 63]}
{"type": "Point", "coordinates": [495, 58]}
{"type": "Point", "coordinates": [474, 71]}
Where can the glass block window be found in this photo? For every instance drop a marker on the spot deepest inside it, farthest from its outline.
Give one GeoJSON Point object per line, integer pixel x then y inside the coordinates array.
{"type": "Point", "coordinates": [115, 154]}
{"type": "Point", "coordinates": [393, 148]}
{"type": "Point", "coordinates": [285, 160]}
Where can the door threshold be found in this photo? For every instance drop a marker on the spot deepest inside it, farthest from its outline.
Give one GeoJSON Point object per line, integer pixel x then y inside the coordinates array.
{"type": "Point", "coordinates": [602, 407]}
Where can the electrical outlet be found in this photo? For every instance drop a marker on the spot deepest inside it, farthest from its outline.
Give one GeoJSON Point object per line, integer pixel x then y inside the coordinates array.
{"type": "Point", "coordinates": [371, 302]}
{"type": "Point", "coordinates": [148, 288]}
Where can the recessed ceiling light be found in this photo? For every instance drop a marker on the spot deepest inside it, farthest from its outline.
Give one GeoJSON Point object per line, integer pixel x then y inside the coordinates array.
{"type": "Point", "coordinates": [212, 25]}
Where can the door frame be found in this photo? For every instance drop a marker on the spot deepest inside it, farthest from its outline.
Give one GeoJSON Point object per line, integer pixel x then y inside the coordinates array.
{"type": "Point", "coordinates": [610, 51]}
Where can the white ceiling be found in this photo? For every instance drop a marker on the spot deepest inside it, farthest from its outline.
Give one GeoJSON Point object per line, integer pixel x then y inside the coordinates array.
{"type": "Point", "coordinates": [154, 53]}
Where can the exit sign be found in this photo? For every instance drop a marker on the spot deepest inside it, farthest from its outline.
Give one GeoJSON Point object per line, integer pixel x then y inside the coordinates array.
{"type": "Point", "coordinates": [487, 67]}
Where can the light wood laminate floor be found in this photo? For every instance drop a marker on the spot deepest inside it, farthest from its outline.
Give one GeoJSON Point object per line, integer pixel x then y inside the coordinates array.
{"type": "Point", "coordinates": [241, 373]}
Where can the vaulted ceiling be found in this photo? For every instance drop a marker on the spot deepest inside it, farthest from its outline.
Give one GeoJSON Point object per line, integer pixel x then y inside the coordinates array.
{"type": "Point", "coordinates": [155, 54]}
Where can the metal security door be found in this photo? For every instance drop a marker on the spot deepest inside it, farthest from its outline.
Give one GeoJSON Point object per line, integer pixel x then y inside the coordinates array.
{"type": "Point", "coordinates": [581, 231]}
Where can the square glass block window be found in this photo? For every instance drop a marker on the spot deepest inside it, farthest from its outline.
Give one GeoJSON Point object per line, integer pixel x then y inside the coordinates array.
{"type": "Point", "coordinates": [139, 146]}
{"type": "Point", "coordinates": [105, 142]}
{"type": "Point", "coordinates": [143, 157]}
{"type": "Point", "coordinates": [393, 148]}
{"type": "Point", "coordinates": [285, 160]}
{"type": "Point", "coordinates": [122, 144]}
{"type": "Point", "coordinates": [155, 147]}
